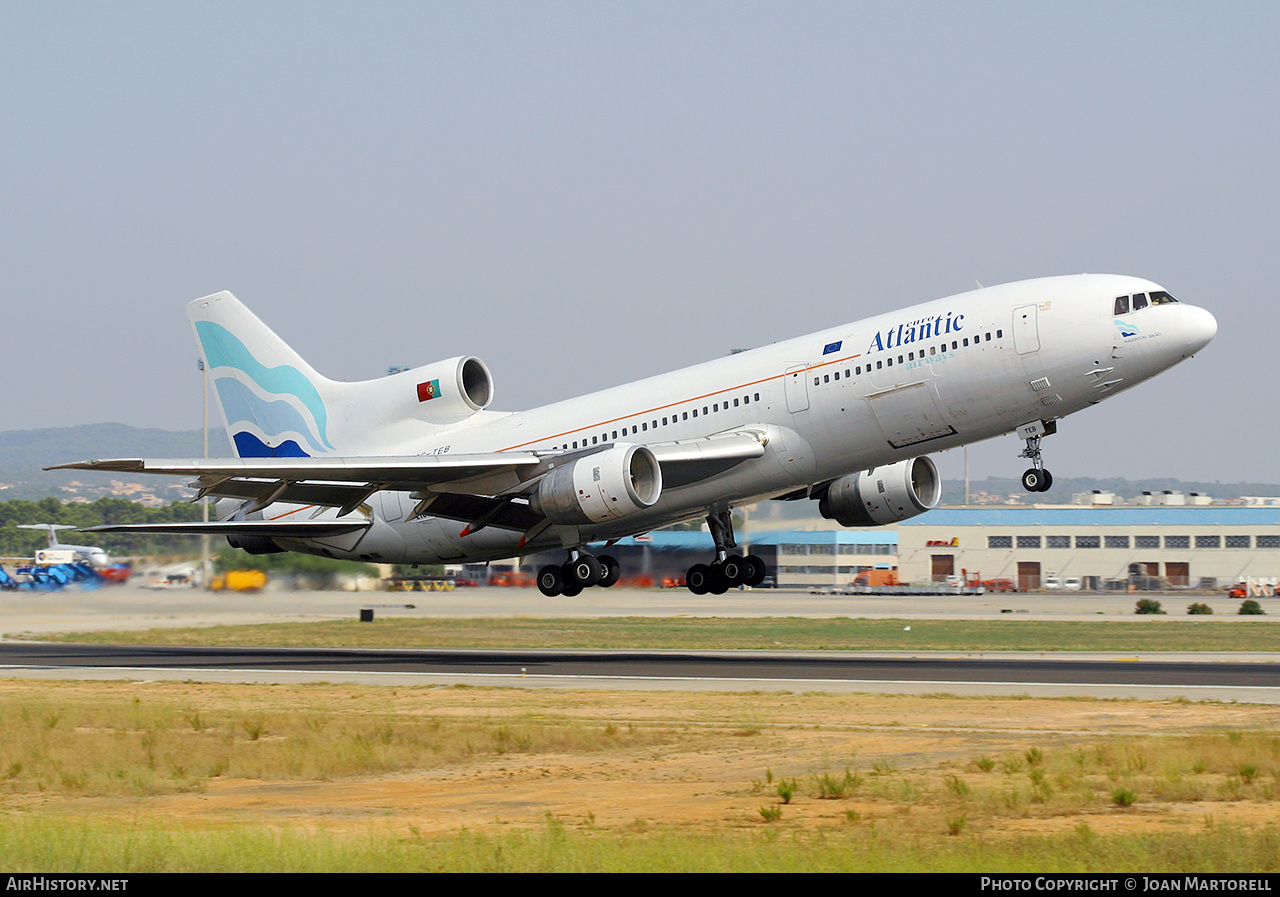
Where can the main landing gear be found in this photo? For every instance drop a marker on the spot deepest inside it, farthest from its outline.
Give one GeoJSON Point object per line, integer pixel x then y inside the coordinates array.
{"type": "Point", "coordinates": [727, 570]}
{"type": "Point", "coordinates": [1036, 478]}
{"type": "Point", "coordinates": [581, 571]}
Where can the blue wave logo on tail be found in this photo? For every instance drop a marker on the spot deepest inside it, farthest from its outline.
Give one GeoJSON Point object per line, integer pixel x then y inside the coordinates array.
{"type": "Point", "coordinates": [271, 414]}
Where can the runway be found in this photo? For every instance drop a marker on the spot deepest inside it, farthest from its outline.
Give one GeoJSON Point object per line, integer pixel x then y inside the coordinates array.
{"type": "Point", "coordinates": [1251, 681]}
{"type": "Point", "coordinates": [1217, 677]}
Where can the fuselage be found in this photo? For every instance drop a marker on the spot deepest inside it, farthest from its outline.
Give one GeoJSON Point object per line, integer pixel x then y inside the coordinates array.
{"type": "Point", "coordinates": [853, 397]}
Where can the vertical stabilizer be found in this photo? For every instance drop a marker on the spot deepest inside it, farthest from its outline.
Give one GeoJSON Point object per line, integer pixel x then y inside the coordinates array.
{"type": "Point", "coordinates": [275, 404]}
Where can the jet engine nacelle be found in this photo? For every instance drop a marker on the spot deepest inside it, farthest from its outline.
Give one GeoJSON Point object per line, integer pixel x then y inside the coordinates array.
{"type": "Point", "coordinates": [604, 486]}
{"type": "Point", "coordinates": [883, 494]}
{"type": "Point", "coordinates": [441, 393]}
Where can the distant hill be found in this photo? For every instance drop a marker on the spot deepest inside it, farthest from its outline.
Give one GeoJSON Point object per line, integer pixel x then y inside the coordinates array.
{"type": "Point", "coordinates": [24, 452]}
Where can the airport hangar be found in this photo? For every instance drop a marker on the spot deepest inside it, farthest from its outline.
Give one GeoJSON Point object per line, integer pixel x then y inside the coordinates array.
{"type": "Point", "coordinates": [1206, 546]}
{"type": "Point", "coordinates": [1197, 547]}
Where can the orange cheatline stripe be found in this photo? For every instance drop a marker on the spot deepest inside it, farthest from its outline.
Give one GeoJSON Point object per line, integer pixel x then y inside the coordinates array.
{"type": "Point", "coordinates": [656, 408]}
{"type": "Point", "coordinates": [294, 511]}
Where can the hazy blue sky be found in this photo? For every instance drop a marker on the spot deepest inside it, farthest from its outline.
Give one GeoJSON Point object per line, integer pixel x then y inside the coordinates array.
{"type": "Point", "coordinates": [587, 193]}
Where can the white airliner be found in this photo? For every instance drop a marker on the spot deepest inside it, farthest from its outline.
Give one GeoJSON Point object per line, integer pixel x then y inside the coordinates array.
{"type": "Point", "coordinates": [88, 554]}
{"type": "Point", "coordinates": [414, 468]}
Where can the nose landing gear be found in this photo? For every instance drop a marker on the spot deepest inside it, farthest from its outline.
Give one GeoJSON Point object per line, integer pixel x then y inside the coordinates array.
{"type": "Point", "coordinates": [1036, 478]}
{"type": "Point", "coordinates": [727, 570]}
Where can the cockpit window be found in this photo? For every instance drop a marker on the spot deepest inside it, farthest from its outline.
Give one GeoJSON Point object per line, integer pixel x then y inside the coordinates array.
{"type": "Point", "coordinates": [1161, 298]}
{"type": "Point", "coordinates": [1122, 305]}
{"type": "Point", "coordinates": [1139, 301]}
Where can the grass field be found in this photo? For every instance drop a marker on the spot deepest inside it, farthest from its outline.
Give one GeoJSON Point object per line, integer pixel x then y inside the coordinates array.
{"type": "Point", "coordinates": [127, 777]}
{"type": "Point", "coordinates": [712, 633]}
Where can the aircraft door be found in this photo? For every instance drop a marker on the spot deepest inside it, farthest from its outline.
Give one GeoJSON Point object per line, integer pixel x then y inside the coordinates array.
{"type": "Point", "coordinates": [1026, 330]}
{"type": "Point", "coordinates": [797, 388]}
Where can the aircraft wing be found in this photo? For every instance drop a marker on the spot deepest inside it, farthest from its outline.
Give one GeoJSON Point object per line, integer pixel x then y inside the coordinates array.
{"type": "Point", "coordinates": [285, 529]}
{"type": "Point", "coordinates": [483, 489]}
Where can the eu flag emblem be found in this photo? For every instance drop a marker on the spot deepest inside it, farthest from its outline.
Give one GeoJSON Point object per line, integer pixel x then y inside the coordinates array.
{"type": "Point", "coordinates": [832, 347]}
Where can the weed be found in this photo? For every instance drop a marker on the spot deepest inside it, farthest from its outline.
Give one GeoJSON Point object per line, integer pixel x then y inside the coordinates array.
{"type": "Point", "coordinates": [832, 787]}
{"type": "Point", "coordinates": [956, 824]}
{"type": "Point", "coordinates": [787, 790]}
{"type": "Point", "coordinates": [771, 812]}
{"type": "Point", "coordinates": [1123, 797]}
{"type": "Point", "coordinates": [957, 786]}
{"type": "Point", "coordinates": [985, 764]}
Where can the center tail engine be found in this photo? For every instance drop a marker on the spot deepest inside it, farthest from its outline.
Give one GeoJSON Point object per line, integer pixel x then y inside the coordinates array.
{"type": "Point", "coordinates": [601, 487]}
{"type": "Point", "coordinates": [883, 494]}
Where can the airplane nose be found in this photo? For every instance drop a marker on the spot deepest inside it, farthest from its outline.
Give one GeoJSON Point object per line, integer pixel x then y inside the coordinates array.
{"type": "Point", "coordinates": [1199, 327]}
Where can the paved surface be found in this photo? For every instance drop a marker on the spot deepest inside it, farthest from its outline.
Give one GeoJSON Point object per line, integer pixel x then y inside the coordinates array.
{"type": "Point", "coordinates": [129, 607]}
{"type": "Point", "coordinates": [1224, 677]}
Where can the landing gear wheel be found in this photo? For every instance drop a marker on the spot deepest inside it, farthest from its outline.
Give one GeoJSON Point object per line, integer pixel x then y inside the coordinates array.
{"type": "Point", "coordinates": [718, 585]}
{"type": "Point", "coordinates": [551, 580]}
{"type": "Point", "coordinates": [584, 570]}
{"type": "Point", "coordinates": [733, 570]}
{"type": "Point", "coordinates": [612, 570]}
{"type": "Point", "coordinates": [571, 587]}
{"type": "Point", "coordinates": [698, 579]}
{"type": "Point", "coordinates": [1035, 480]}
{"type": "Point", "coordinates": [756, 570]}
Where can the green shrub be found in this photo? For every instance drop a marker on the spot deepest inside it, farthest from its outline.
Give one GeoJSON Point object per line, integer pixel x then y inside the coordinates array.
{"type": "Point", "coordinates": [1199, 608]}
{"type": "Point", "coordinates": [1250, 608]}
{"type": "Point", "coordinates": [1148, 606]}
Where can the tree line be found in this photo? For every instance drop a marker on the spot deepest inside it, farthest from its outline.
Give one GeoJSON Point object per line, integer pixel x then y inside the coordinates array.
{"type": "Point", "coordinates": [16, 542]}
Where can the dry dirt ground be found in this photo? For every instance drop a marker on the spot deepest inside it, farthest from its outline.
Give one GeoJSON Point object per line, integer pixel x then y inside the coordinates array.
{"type": "Point", "coordinates": [717, 763]}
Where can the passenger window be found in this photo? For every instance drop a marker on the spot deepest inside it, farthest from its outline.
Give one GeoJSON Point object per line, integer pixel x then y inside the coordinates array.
{"type": "Point", "coordinates": [999, 334]}
{"type": "Point", "coordinates": [594, 441]}
{"type": "Point", "coordinates": [695, 412]}
{"type": "Point", "coordinates": [644, 427]}
{"type": "Point", "coordinates": [1139, 301]}
{"type": "Point", "coordinates": [1122, 305]}
{"type": "Point", "coordinates": [735, 403]}
{"type": "Point", "coordinates": [615, 434]}
{"type": "Point", "coordinates": [664, 421]}
{"type": "Point", "coordinates": [826, 378]}
{"type": "Point", "coordinates": [880, 364]}
{"type": "Point", "coordinates": [988, 336]}
{"type": "Point", "coordinates": [757, 397]}
{"type": "Point", "coordinates": [933, 350]}
{"type": "Point", "coordinates": [815, 381]}
{"type": "Point", "coordinates": [685, 416]}
{"type": "Point", "coordinates": [575, 443]}
{"type": "Point", "coordinates": [890, 362]}
{"type": "Point", "coordinates": [966, 340]}
{"type": "Point", "coordinates": [955, 345]}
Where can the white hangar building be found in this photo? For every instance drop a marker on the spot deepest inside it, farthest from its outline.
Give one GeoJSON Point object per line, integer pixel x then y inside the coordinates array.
{"type": "Point", "coordinates": [1185, 546]}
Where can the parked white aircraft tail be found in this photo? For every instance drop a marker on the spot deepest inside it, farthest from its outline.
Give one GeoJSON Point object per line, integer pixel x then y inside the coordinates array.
{"type": "Point", "coordinates": [413, 468]}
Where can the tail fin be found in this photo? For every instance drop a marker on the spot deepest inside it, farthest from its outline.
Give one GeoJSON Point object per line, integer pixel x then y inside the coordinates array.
{"type": "Point", "coordinates": [273, 401]}
{"type": "Point", "coordinates": [50, 528]}
{"type": "Point", "coordinates": [277, 405]}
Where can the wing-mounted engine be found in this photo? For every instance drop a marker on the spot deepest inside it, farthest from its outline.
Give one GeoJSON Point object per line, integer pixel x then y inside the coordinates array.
{"type": "Point", "coordinates": [883, 494]}
{"type": "Point", "coordinates": [604, 486]}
